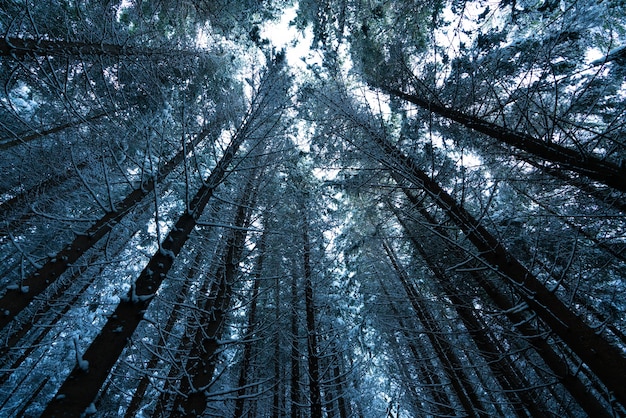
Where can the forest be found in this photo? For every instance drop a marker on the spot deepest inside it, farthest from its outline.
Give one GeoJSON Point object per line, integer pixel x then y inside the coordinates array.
{"type": "Point", "coordinates": [314, 208]}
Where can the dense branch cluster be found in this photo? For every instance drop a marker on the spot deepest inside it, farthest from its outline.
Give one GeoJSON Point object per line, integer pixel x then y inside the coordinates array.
{"type": "Point", "coordinates": [428, 219]}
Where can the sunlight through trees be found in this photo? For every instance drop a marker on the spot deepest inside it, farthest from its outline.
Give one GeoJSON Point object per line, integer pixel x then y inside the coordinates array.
{"type": "Point", "coordinates": [337, 208]}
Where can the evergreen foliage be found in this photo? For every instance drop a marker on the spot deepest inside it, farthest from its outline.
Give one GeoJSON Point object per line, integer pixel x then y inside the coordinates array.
{"type": "Point", "coordinates": [425, 216]}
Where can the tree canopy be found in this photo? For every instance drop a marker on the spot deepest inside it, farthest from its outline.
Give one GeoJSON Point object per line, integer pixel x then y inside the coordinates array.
{"type": "Point", "coordinates": [413, 208]}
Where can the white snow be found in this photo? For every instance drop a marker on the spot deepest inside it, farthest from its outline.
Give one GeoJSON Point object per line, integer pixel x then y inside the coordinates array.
{"type": "Point", "coordinates": [23, 289]}
{"type": "Point", "coordinates": [82, 363]}
{"type": "Point", "coordinates": [167, 253]}
{"type": "Point", "coordinates": [91, 409]}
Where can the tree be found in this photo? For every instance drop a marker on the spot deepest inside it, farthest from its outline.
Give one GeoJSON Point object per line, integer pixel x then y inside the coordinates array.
{"type": "Point", "coordinates": [548, 308]}
{"type": "Point", "coordinates": [422, 217]}
{"type": "Point", "coordinates": [123, 322]}
{"type": "Point", "coordinates": [202, 361]}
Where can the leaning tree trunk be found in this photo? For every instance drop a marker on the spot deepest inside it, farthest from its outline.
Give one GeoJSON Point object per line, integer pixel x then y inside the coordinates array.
{"type": "Point", "coordinates": [442, 403]}
{"type": "Point", "coordinates": [81, 387]}
{"type": "Point", "coordinates": [559, 366]}
{"type": "Point", "coordinates": [192, 397]}
{"type": "Point", "coordinates": [168, 390]}
{"type": "Point", "coordinates": [22, 198]}
{"type": "Point", "coordinates": [14, 302]}
{"type": "Point", "coordinates": [604, 359]}
{"type": "Point", "coordinates": [8, 143]}
{"type": "Point", "coordinates": [600, 193]}
{"type": "Point", "coordinates": [459, 379]}
{"type": "Point", "coordinates": [19, 48]}
{"type": "Point", "coordinates": [586, 165]}
{"type": "Point", "coordinates": [518, 392]}
{"type": "Point", "coordinates": [140, 391]}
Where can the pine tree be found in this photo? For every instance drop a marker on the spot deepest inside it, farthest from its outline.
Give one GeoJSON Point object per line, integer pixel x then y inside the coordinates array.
{"type": "Point", "coordinates": [422, 217]}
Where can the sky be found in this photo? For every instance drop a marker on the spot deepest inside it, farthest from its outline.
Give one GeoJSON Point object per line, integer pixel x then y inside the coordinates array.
{"type": "Point", "coordinates": [282, 35]}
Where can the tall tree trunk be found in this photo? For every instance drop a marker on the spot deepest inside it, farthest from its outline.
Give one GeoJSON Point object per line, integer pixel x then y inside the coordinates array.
{"type": "Point", "coordinates": [81, 387]}
{"type": "Point", "coordinates": [586, 165]}
{"type": "Point", "coordinates": [295, 352]}
{"type": "Point", "coordinates": [140, 391]}
{"type": "Point", "coordinates": [22, 199]}
{"type": "Point", "coordinates": [602, 194]}
{"type": "Point", "coordinates": [442, 403]}
{"type": "Point", "coordinates": [21, 47]}
{"type": "Point", "coordinates": [355, 385]}
{"type": "Point", "coordinates": [207, 290]}
{"type": "Point", "coordinates": [246, 360]}
{"type": "Point", "coordinates": [617, 254]}
{"type": "Point", "coordinates": [339, 383]}
{"type": "Point", "coordinates": [464, 388]}
{"type": "Point", "coordinates": [192, 398]}
{"type": "Point", "coordinates": [606, 361]}
{"type": "Point", "coordinates": [277, 389]}
{"type": "Point", "coordinates": [313, 355]}
{"type": "Point", "coordinates": [8, 143]}
{"type": "Point", "coordinates": [517, 392]}
{"type": "Point", "coordinates": [555, 361]}
{"type": "Point", "coordinates": [14, 302]}
{"type": "Point", "coordinates": [52, 314]}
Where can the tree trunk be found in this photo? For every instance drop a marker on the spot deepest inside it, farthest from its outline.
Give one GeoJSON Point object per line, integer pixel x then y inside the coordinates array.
{"type": "Point", "coordinates": [21, 47]}
{"type": "Point", "coordinates": [15, 301]}
{"type": "Point", "coordinates": [517, 392]}
{"type": "Point", "coordinates": [464, 388]}
{"type": "Point", "coordinates": [604, 359]}
{"type": "Point", "coordinates": [81, 387]}
{"type": "Point", "coordinates": [586, 165]}
{"type": "Point", "coordinates": [442, 403]}
{"type": "Point", "coordinates": [246, 360]}
{"type": "Point", "coordinates": [176, 374]}
{"type": "Point", "coordinates": [277, 389]}
{"type": "Point", "coordinates": [601, 193]}
{"type": "Point", "coordinates": [52, 311]}
{"type": "Point", "coordinates": [340, 385]}
{"type": "Point", "coordinates": [553, 360]}
{"type": "Point", "coordinates": [192, 400]}
{"type": "Point", "coordinates": [22, 199]}
{"type": "Point", "coordinates": [295, 351]}
{"type": "Point", "coordinates": [8, 143]}
{"type": "Point", "coordinates": [311, 326]}
{"type": "Point", "coordinates": [140, 391]}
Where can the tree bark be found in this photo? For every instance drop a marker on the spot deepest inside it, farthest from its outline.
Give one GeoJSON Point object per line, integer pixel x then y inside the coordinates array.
{"type": "Point", "coordinates": [167, 396]}
{"type": "Point", "coordinates": [80, 388]}
{"type": "Point", "coordinates": [295, 352]}
{"type": "Point", "coordinates": [442, 403]}
{"type": "Point", "coordinates": [555, 361]}
{"type": "Point", "coordinates": [8, 143]}
{"type": "Point", "coordinates": [22, 199]}
{"type": "Point", "coordinates": [313, 355]}
{"type": "Point", "coordinates": [140, 391]}
{"type": "Point", "coordinates": [15, 301]}
{"type": "Point", "coordinates": [19, 48]}
{"type": "Point", "coordinates": [519, 393]}
{"type": "Point", "coordinates": [246, 359]}
{"type": "Point", "coordinates": [52, 311]}
{"type": "Point", "coordinates": [202, 361]}
{"type": "Point", "coordinates": [465, 390]}
{"type": "Point", "coordinates": [586, 165]}
{"type": "Point", "coordinates": [606, 360]}
{"type": "Point", "coordinates": [277, 389]}
{"type": "Point", "coordinates": [339, 383]}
